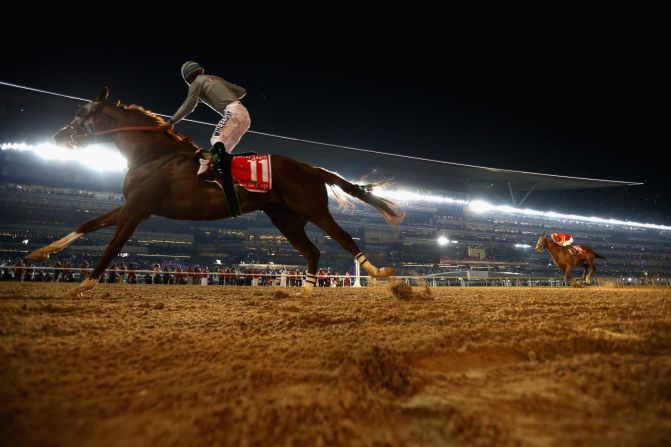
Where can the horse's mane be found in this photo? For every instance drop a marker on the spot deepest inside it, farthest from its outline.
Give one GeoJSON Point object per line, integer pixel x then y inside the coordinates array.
{"type": "Point", "coordinates": [160, 121]}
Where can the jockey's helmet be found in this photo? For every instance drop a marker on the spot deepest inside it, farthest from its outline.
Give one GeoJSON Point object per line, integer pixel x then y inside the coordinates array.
{"type": "Point", "coordinates": [190, 67]}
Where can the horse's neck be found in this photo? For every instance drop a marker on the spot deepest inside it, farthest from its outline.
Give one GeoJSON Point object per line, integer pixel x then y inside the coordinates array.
{"type": "Point", "coordinates": [140, 148]}
{"type": "Point", "coordinates": [132, 118]}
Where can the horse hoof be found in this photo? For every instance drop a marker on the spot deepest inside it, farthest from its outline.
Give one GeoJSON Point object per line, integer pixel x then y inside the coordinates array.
{"type": "Point", "coordinates": [385, 272]}
{"type": "Point", "coordinates": [306, 293]}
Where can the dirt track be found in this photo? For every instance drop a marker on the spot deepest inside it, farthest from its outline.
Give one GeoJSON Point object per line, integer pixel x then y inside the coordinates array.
{"type": "Point", "coordinates": [191, 365]}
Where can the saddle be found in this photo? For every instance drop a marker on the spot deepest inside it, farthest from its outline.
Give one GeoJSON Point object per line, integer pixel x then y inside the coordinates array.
{"type": "Point", "coordinates": [249, 170]}
{"type": "Point", "coordinates": [575, 250]}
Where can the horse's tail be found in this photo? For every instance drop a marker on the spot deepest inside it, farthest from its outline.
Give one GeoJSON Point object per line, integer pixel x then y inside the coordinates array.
{"type": "Point", "coordinates": [597, 255]}
{"type": "Point", "coordinates": [363, 192]}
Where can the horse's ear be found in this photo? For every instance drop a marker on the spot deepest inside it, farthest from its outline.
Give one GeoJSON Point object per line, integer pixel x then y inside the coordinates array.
{"type": "Point", "coordinates": [103, 94]}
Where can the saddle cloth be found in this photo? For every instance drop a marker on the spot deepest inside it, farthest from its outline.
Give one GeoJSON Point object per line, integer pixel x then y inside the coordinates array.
{"type": "Point", "coordinates": [253, 172]}
{"type": "Point", "coordinates": [577, 249]}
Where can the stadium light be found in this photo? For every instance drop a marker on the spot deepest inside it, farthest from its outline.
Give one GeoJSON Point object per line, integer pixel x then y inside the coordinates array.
{"type": "Point", "coordinates": [94, 157]}
{"type": "Point", "coordinates": [104, 159]}
{"type": "Point", "coordinates": [442, 240]}
{"type": "Point", "coordinates": [400, 195]}
{"type": "Point", "coordinates": [481, 207]}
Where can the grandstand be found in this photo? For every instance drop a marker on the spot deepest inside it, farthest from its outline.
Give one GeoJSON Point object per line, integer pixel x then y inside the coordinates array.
{"type": "Point", "coordinates": [41, 202]}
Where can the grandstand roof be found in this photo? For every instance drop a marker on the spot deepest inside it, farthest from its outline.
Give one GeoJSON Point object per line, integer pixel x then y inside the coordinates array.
{"type": "Point", "coordinates": [435, 175]}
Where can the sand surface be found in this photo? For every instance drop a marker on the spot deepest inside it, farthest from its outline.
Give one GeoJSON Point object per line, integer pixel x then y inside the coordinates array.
{"type": "Point", "coordinates": [137, 365]}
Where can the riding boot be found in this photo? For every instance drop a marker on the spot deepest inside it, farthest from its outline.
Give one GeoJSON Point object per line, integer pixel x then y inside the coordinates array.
{"type": "Point", "coordinates": [214, 169]}
{"type": "Point", "coordinates": [222, 163]}
{"type": "Point", "coordinates": [217, 152]}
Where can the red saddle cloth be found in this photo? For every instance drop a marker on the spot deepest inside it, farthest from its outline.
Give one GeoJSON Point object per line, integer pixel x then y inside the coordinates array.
{"type": "Point", "coordinates": [252, 172]}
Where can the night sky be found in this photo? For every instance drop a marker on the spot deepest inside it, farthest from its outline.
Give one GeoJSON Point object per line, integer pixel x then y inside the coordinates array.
{"type": "Point", "coordinates": [588, 107]}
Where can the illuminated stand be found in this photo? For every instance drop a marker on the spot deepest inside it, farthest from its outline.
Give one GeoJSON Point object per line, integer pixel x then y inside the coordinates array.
{"type": "Point", "coordinates": [357, 272]}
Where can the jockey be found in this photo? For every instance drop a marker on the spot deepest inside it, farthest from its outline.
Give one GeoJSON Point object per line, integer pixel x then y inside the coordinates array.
{"type": "Point", "coordinates": [222, 96]}
{"type": "Point", "coordinates": [562, 239]}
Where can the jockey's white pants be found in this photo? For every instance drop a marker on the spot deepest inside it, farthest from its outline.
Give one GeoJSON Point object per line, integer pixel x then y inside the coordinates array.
{"type": "Point", "coordinates": [232, 126]}
{"type": "Point", "coordinates": [567, 243]}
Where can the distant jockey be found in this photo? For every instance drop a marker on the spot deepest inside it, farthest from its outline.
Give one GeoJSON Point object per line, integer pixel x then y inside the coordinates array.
{"type": "Point", "coordinates": [562, 239]}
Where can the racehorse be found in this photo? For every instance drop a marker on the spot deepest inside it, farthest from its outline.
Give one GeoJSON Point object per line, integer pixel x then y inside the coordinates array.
{"type": "Point", "coordinates": [161, 180]}
{"type": "Point", "coordinates": [567, 261]}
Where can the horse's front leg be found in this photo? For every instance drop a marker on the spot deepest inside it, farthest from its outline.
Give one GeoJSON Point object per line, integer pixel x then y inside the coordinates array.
{"type": "Point", "coordinates": [106, 220]}
{"type": "Point", "coordinates": [127, 223]}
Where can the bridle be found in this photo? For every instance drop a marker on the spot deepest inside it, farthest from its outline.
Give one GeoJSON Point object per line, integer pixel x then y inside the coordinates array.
{"type": "Point", "coordinates": [86, 123]}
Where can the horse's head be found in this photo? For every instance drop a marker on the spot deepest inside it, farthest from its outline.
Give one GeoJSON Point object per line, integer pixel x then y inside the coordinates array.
{"type": "Point", "coordinates": [91, 118]}
{"type": "Point", "coordinates": [541, 243]}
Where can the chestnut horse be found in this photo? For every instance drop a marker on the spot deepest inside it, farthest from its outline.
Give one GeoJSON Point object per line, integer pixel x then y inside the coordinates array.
{"type": "Point", "coordinates": [161, 180]}
{"type": "Point", "coordinates": [567, 261]}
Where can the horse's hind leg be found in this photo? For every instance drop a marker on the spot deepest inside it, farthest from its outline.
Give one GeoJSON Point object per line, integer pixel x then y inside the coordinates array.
{"type": "Point", "coordinates": [106, 220]}
{"type": "Point", "coordinates": [315, 208]}
{"type": "Point", "coordinates": [326, 222]}
{"type": "Point", "coordinates": [592, 270]}
{"type": "Point", "coordinates": [292, 227]}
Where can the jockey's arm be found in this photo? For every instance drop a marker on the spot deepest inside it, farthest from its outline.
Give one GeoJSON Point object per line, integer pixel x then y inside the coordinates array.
{"type": "Point", "coordinates": [189, 103]}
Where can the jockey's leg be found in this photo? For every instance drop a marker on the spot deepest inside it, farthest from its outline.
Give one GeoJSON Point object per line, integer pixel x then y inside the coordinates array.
{"type": "Point", "coordinates": [226, 136]}
{"type": "Point", "coordinates": [232, 126]}
{"type": "Point", "coordinates": [222, 167]}
{"type": "Point", "coordinates": [212, 169]}
{"type": "Point", "coordinates": [106, 220]}
{"type": "Point", "coordinates": [219, 168]}
{"type": "Point", "coordinates": [223, 140]}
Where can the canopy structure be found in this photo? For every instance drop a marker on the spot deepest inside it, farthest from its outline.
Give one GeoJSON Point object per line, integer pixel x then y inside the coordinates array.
{"type": "Point", "coordinates": [425, 174]}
